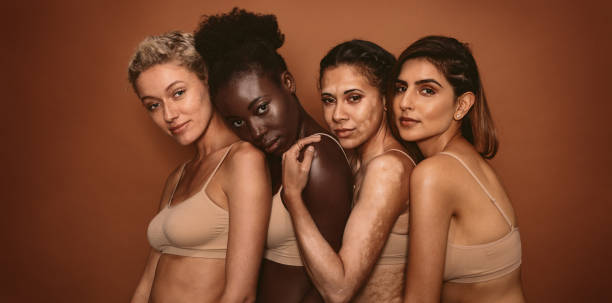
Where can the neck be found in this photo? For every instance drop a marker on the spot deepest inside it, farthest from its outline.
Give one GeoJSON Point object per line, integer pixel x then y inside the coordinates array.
{"type": "Point", "coordinates": [307, 125]}
{"type": "Point", "coordinates": [215, 136]}
{"type": "Point", "coordinates": [433, 145]}
{"type": "Point", "coordinates": [377, 144]}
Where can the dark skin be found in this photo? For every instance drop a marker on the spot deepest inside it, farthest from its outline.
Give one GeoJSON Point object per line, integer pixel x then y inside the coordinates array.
{"type": "Point", "coordinates": [266, 112]}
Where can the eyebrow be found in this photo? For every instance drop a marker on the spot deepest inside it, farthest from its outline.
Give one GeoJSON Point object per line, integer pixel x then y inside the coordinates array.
{"type": "Point", "coordinates": [254, 101]}
{"type": "Point", "coordinates": [348, 91]}
{"type": "Point", "coordinates": [428, 81]}
{"type": "Point", "coordinates": [167, 89]}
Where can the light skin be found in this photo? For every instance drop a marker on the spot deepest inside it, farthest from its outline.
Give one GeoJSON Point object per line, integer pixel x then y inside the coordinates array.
{"type": "Point", "coordinates": [177, 101]}
{"type": "Point", "coordinates": [445, 199]}
{"type": "Point", "coordinates": [265, 111]}
{"type": "Point", "coordinates": [354, 111]}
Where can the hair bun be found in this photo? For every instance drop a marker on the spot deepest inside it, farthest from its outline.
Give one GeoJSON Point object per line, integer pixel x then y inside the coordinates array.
{"type": "Point", "coordinates": [223, 33]}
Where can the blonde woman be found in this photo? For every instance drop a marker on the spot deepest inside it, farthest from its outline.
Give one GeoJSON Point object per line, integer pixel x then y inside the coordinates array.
{"type": "Point", "coordinates": [208, 237]}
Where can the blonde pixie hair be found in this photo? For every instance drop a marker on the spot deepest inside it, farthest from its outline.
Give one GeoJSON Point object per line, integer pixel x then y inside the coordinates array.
{"type": "Point", "coordinates": [173, 46]}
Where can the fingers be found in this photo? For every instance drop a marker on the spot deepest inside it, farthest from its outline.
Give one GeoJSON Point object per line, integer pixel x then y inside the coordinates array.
{"type": "Point", "coordinates": [294, 151]}
{"type": "Point", "coordinates": [308, 155]}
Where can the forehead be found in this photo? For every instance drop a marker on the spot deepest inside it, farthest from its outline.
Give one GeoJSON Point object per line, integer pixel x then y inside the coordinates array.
{"type": "Point", "coordinates": [236, 96]}
{"type": "Point", "coordinates": [157, 77]}
{"type": "Point", "coordinates": [343, 77]}
{"type": "Point", "coordinates": [419, 69]}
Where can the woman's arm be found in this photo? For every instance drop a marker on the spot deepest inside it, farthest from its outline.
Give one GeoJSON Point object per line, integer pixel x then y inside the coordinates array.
{"type": "Point", "coordinates": [431, 209]}
{"type": "Point", "coordinates": [143, 290]}
{"type": "Point", "coordinates": [384, 191]}
{"type": "Point", "coordinates": [249, 200]}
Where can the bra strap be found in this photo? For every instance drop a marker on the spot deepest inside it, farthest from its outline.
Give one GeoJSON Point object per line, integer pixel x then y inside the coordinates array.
{"type": "Point", "coordinates": [407, 155]}
{"type": "Point", "coordinates": [218, 165]}
{"type": "Point", "coordinates": [481, 186]}
{"type": "Point", "coordinates": [177, 182]}
{"type": "Point", "coordinates": [342, 149]}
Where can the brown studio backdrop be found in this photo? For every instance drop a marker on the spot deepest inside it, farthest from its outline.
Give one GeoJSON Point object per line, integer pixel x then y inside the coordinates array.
{"type": "Point", "coordinates": [84, 166]}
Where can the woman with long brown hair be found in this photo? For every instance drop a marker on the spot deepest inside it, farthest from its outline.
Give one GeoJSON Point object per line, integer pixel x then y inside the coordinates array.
{"type": "Point", "coordinates": [464, 240]}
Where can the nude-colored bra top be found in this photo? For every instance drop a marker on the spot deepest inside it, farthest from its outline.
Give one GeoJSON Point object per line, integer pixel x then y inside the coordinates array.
{"type": "Point", "coordinates": [395, 250]}
{"type": "Point", "coordinates": [281, 244]}
{"type": "Point", "coordinates": [196, 227]}
{"type": "Point", "coordinates": [483, 262]}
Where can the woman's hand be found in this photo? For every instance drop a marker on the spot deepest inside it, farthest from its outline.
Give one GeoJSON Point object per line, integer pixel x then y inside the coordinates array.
{"type": "Point", "coordinates": [295, 172]}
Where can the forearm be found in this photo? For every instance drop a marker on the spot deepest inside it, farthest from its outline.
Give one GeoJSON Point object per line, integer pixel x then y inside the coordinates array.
{"type": "Point", "coordinates": [323, 264]}
{"type": "Point", "coordinates": [143, 290]}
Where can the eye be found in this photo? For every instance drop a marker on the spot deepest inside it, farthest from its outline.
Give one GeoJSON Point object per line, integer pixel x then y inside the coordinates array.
{"type": "Point", "coordinates": [151, 106]}
{"type": "Point", "coordinates": [327, 100]}
{"type": "Point", "coordinates": [399, 89]}
{"type": "Point", "coordinates": [427, 91]}
{"type": "Point", "coordinates": [261, 109]}
{"type": "Point", "coordinates": [355, 97]}
{"type": "Point", "coordinates": [238, 123]}
{"type": "Point", "coordinates": [178, 93]}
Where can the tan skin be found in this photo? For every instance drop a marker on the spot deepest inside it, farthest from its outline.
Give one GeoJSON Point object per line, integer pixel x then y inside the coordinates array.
{"type": "Point", "coordinates": [445, 199]}
{"type": "Point", "coordinates": [266, 113]}
{"type": "Point", "coordinates": [354, 111]}
{"type": "Point", "coordinates": [178, 102]}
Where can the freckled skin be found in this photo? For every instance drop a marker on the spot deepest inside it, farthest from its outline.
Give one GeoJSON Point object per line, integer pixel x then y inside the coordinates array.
{"type": "Point", "coordinates": [266, 113]}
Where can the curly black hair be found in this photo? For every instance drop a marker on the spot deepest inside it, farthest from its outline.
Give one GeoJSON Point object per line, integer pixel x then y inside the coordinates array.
{"type": "Point", "coordinates": [374, 62]}
{"type": "Point", "coordinates": [239, 42]}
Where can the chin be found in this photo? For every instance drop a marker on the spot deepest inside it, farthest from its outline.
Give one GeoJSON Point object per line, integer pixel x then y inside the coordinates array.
{"type": "Point", "coordinates": [348, 143]}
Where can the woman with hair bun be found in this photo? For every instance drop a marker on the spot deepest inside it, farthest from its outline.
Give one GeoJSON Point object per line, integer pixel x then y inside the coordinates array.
{"type": "Point", "coordinates": [208, 236]}
{"type": "Point", "coordinates": [371, 262]}
{"type": "Point", "coordinates": [464, 240]}
{"type": "Point", "coordinates": [256, 95]}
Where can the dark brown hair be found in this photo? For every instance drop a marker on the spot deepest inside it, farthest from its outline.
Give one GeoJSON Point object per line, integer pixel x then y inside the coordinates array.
{"type": "Point", "coordinates": [239, 42]}
{"type": "Point", "coordinates": [455, 61]}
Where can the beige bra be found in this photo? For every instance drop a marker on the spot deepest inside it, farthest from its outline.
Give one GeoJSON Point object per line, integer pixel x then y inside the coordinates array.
{"type": "Point", "coordinates": [281, 244]}
{"type": "Point", "coordinates": [196, 227]}
{"type": "Point", "coordinates": [483, 262]}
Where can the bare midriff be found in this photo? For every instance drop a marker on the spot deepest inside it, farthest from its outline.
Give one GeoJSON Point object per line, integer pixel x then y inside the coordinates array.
{"type": "Point", "coordinates": [188, 279]}
{"type": "Point", "coordinates": [505, 289]}
{"type": "Point", "coordinates": [385, 284]}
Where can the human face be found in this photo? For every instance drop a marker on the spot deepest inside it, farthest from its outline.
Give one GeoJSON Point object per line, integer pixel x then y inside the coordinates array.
{"type": "Point", "coordinates": [261, 110]}
{"type": "Point", "coordinates": [352, 107]}
{"type": "Point", "coordinates": [424, 102]}
{"type": "Point", "coordinates": [177, 101]}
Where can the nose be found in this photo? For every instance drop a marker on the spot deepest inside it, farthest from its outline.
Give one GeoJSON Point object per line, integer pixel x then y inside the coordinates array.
{"type": "Point", "coordinates": [170, 111]}
{"type": "Point", "coordinates": [258, 130]}
{"type": "Point", "coordinates": [406, 102]}
{"type": "Point", "coordinates": [339, 113]}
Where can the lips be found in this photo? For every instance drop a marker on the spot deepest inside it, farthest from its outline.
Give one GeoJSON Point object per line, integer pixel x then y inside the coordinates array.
{"type": "Point", "coordinates": [270, 145]}
{"type": "Point", "coordinates": [407, 121]}
{"type": "Point", "coordinates": [343, 132]}
{"type": "Point", "coordinates": [177, 128]}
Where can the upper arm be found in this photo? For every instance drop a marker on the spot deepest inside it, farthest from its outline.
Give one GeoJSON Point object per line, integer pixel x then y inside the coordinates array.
{"type": "Point", "coordinates": [382, 198]}
{"type": "Point", "coordinates": [431, 210]}
{"type": "Point", "coordinates": [328, 193]}
{"type": "Point", "coordinates": [249, 197]}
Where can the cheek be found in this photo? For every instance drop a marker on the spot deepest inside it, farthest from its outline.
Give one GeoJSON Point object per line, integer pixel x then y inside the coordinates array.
{"type": "Point", "coordinates": [328, 112]}
{"type": "Point", "coordinates": [368, 117]}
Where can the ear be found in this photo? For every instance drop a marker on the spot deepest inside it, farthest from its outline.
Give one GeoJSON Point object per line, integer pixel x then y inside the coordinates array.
{"type": "Point", "coordinates": [464, 103]}
{"type": "Point", "coordinates": [288, 82]}
{"type": "Point", "coordinates": [384, 102]}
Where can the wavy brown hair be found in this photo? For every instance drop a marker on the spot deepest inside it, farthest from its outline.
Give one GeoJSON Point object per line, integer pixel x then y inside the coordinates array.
{"type": "Point", "coordinates": [456, 62]}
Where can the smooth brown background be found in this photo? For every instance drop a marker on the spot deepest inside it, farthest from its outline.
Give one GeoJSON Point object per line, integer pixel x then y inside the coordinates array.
{"type": "Point", "coordinates": [83, 166]}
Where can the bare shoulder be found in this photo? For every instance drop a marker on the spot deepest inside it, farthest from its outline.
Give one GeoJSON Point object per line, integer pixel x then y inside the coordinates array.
{"type": "Point", "coordinates": [435, 178]}
{"type": "Point", "coordinates": [391, 164]}
{"type": "Point", "coordinates": [328, 151]}
{"type": "Point", "coordinates": [245, 156]}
